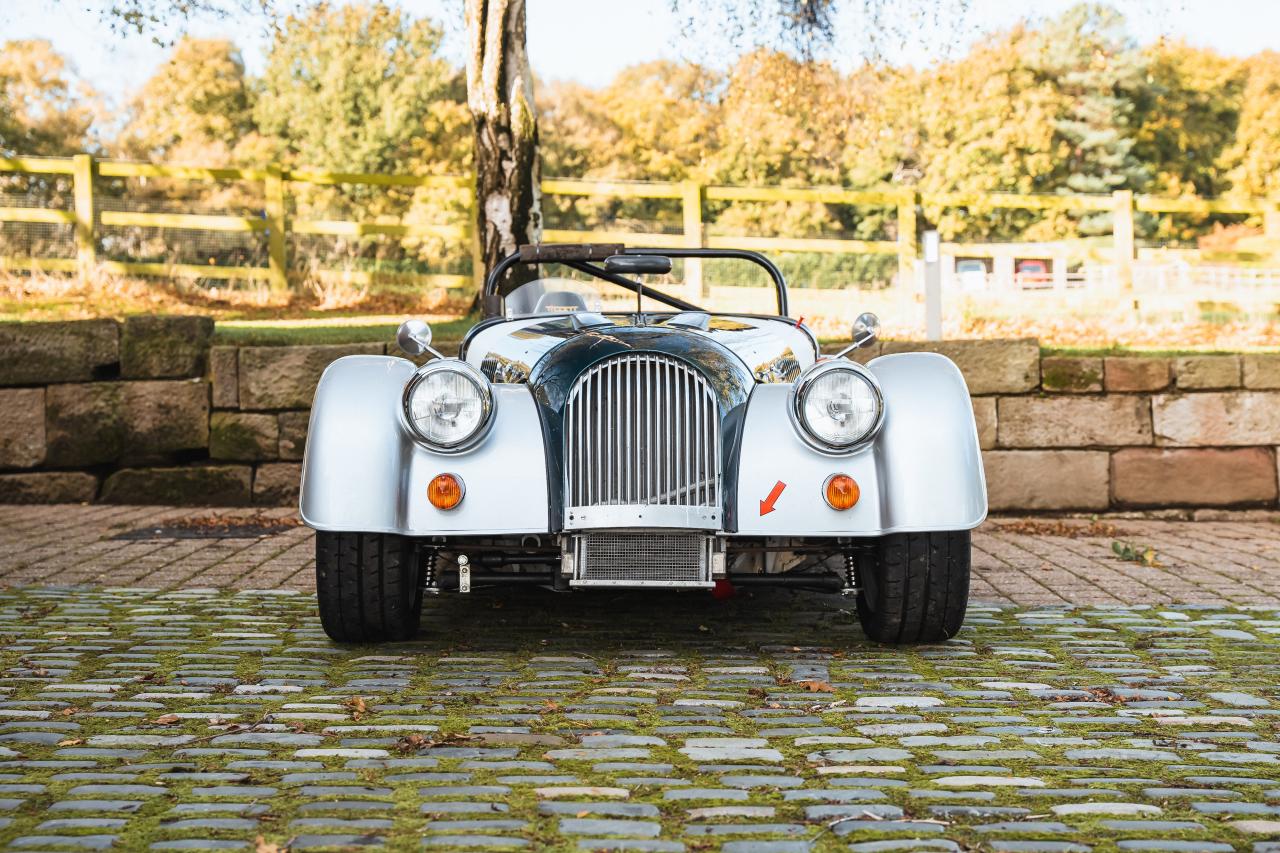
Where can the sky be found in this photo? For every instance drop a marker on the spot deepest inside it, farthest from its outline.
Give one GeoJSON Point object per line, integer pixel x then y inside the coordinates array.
{"type": "Point", "coordinates": [589, 41]}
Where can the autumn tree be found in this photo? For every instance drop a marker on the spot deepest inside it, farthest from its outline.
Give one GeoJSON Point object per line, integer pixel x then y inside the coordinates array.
{"type": "Point", "coordinates": [1254, 158]}
{"type": "Point", "coordinates": [1188, 114]}
{"type": "Point", "coordinates": [195, 108]}
{"type": "Point", "coordinates": [43, 107]}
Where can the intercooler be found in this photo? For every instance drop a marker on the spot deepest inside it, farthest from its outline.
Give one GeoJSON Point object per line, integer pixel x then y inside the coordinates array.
{"type": "Point", "coordinates": [642, 558]}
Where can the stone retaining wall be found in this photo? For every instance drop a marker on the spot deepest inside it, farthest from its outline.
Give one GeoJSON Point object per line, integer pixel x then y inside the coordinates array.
{"type": "Point", "coordinates": [149, 411]}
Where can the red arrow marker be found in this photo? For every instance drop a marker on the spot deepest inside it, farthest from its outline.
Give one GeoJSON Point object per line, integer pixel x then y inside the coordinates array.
{"type": "Point", "coordinates": [766, 505]}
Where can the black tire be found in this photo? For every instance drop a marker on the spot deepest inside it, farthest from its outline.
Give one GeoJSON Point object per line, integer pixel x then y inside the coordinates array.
{"type": "Point", "coordinates": [367, 584]}
{"type": "Point", "coordinates": [915, 587]}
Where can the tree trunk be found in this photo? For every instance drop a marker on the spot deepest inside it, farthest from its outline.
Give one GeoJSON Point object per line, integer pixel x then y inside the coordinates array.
{"type": "Point", "coordinates": [500, 96]}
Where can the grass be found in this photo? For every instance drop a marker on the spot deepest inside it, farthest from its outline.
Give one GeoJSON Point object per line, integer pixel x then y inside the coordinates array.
{"type": "Point", "coordinates": [446, 329]}
{"type": "Point", "coordinates": [1150, 352]}
{"type": "Point", "coordinates": [341, 313]}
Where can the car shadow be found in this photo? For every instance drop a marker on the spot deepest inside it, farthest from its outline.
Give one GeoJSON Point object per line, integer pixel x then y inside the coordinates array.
{"type": "Point", "coordinates": [514, 619]}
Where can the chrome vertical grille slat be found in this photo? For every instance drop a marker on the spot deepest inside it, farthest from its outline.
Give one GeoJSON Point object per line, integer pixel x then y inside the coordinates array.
{"type": "Point", "coordinates": [642, 446]}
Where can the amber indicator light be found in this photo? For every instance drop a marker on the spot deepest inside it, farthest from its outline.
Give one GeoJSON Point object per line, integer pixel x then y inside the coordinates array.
{"type": "Point", "coordinates": [840, 491]}
{"type": "Point", "coordinates": [445, 491]}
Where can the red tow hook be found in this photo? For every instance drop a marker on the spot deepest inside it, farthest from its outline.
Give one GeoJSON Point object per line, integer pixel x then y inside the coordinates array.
{"type": "Point", "coordinates": [723, 589]}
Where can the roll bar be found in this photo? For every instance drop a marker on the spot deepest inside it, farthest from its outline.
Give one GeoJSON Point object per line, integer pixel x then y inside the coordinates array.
{"type": "Point", "coordinates": [580, 256]}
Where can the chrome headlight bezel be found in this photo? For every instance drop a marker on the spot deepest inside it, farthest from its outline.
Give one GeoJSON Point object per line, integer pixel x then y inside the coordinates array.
{"type": "Point", "coordinates": [796, 400]}
{"type": "Point", "coordinates": [472, 375]}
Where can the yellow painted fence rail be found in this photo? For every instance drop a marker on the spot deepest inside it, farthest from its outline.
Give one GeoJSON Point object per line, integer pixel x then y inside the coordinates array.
{"type": "Point", "coordinates": [87, 217]}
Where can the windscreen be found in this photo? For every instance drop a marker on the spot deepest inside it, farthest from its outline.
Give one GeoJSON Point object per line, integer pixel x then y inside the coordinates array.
{"type": "Point", "coordinates": [718, 285]}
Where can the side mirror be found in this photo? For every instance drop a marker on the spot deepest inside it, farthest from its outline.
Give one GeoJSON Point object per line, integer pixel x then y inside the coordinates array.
{"type": "Point", "coordinates": [414, 337]}
{"type": "Point", "coordinates": [638, 264]}
{"type": "Point", "coordinates": [865, 331]}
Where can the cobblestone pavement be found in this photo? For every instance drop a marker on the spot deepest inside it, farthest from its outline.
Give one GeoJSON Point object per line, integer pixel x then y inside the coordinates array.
{"type": "Point", "coordinates": [206, 720]}
{"type": "Point", "coordinates": [1015, 562]}
{"type": "Point", "coordinates": [1144, 716]}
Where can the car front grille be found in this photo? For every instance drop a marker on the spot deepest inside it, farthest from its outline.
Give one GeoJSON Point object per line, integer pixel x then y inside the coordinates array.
{"type": "Point", "coordinates": [645, 558]}
{"type": "Point", "coordinates": [642, 446]}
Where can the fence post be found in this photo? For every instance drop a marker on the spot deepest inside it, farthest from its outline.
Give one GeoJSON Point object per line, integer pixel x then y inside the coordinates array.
{"type": "Point", "coordinates": [82, 173]}
{"type": "Point", "coordinates": [906, 239]}
{"type": "Point", "coordinates": [277, 245]}
{"type": "Point", "coordinates": [932, 285]}
{"type": "Point", "coordinates": [1122, 232]}
{"type": "Point", "coordinates": [692, 195]}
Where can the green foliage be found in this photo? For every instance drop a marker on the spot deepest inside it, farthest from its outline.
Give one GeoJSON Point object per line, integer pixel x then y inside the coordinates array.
{"type": "Point", "coordinates": [360, 88]}
{"type": "Point", "coordinates": [1142, 554]}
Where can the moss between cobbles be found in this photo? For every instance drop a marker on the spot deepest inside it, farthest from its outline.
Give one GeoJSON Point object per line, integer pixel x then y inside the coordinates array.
{"type": "Point", "coordinates": [409, 823]}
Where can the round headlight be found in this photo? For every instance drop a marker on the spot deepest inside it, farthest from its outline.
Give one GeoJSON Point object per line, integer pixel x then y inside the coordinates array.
{"type": "Point", "coordinates": [448, 405]}
{"type": "Point", "coordinates": [837, 405]}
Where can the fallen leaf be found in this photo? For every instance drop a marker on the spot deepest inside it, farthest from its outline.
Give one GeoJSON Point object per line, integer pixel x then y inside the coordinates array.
{"type": "Point", "coordinates": [75, 741]}
{"type": "Point", "coordinates": [166, 720]}
{"type": "Point", "coordinates": [817, 686]}
{"type": "Point", "coordinates": [412, 743]}
{"type": "Point", "coordinates": [262, 845]}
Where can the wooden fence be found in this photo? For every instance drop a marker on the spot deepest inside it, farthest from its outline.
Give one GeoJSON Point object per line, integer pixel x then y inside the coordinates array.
{"type": "Point", "coordinates": [87, 218]}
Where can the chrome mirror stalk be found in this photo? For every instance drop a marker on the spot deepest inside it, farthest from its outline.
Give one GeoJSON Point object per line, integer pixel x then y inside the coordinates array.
{"type": "Point", "coordinates": [414, 338]}
{"type": "Point", "coordinates": [866, 330]}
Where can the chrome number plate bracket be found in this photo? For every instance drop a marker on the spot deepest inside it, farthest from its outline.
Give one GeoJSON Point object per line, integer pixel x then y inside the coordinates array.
{"type": "Point", "coordinates": [464, 574]}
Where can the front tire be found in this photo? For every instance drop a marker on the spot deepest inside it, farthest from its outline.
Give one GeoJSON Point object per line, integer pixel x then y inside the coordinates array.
{"type": "Point", "coordinates": [915, 586]}
{"type": "Point", "coordinates": [367, 586]}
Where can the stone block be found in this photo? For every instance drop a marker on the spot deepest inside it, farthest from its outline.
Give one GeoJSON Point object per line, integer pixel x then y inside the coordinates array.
{"type": "Point", "coordinates": [1262, 371]}
{"type": "Point", "coordinates": [1136, 373]}
{"type": "Point", "coordinates": [164, 347]}
{"type": "Point", "coordinates": [73, 351]}
{"type": "Point", "coordinates": [48, 487]}
{"type": "Point", "coordinates": [99, 422]}
{"type": "Point", "coordinates": [205, 485]}
{"type": "Point", "coordinates": [224, 377]}
{"type": "Point", "coordinates": [22, 439]}
{"type": "Point", "coordinates": [243, 436]}
{"type": "Point", "coordinates": [984, 413]}
{"type": "Point", "coordinates": [1150, 476]}
{"type": "Point", "coordinates": [286, 377]}
{"type": "Point", "coordinates": [989, 367]}
{"type": "Point", "coordinates": [1070, 374]}
{"type": "Point", "coordinates": [1026, 480]}
{"type": "Point", "coordinates": [164, 417]}
{"type": "Point", "coordinates": [1207, 372]}
{"type": "Point", "coordinates": [1231, 418]}
{"type": "Point", "coordinates": [293, 434]}
{"type": "Point", "coordinates": [84, 423]}
{"type": "Point", "coordinates": [276, 484]}
{"type": "Point", "coordinates": [1111, 421]}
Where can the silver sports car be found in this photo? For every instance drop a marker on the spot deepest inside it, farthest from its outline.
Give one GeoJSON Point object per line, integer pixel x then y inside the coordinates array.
{"type": "Point", "coordinates": [604, 432]}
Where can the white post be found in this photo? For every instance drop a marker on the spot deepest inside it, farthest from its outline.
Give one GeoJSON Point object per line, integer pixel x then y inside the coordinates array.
{"type": "Point", "coordinates": [932, 286]}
